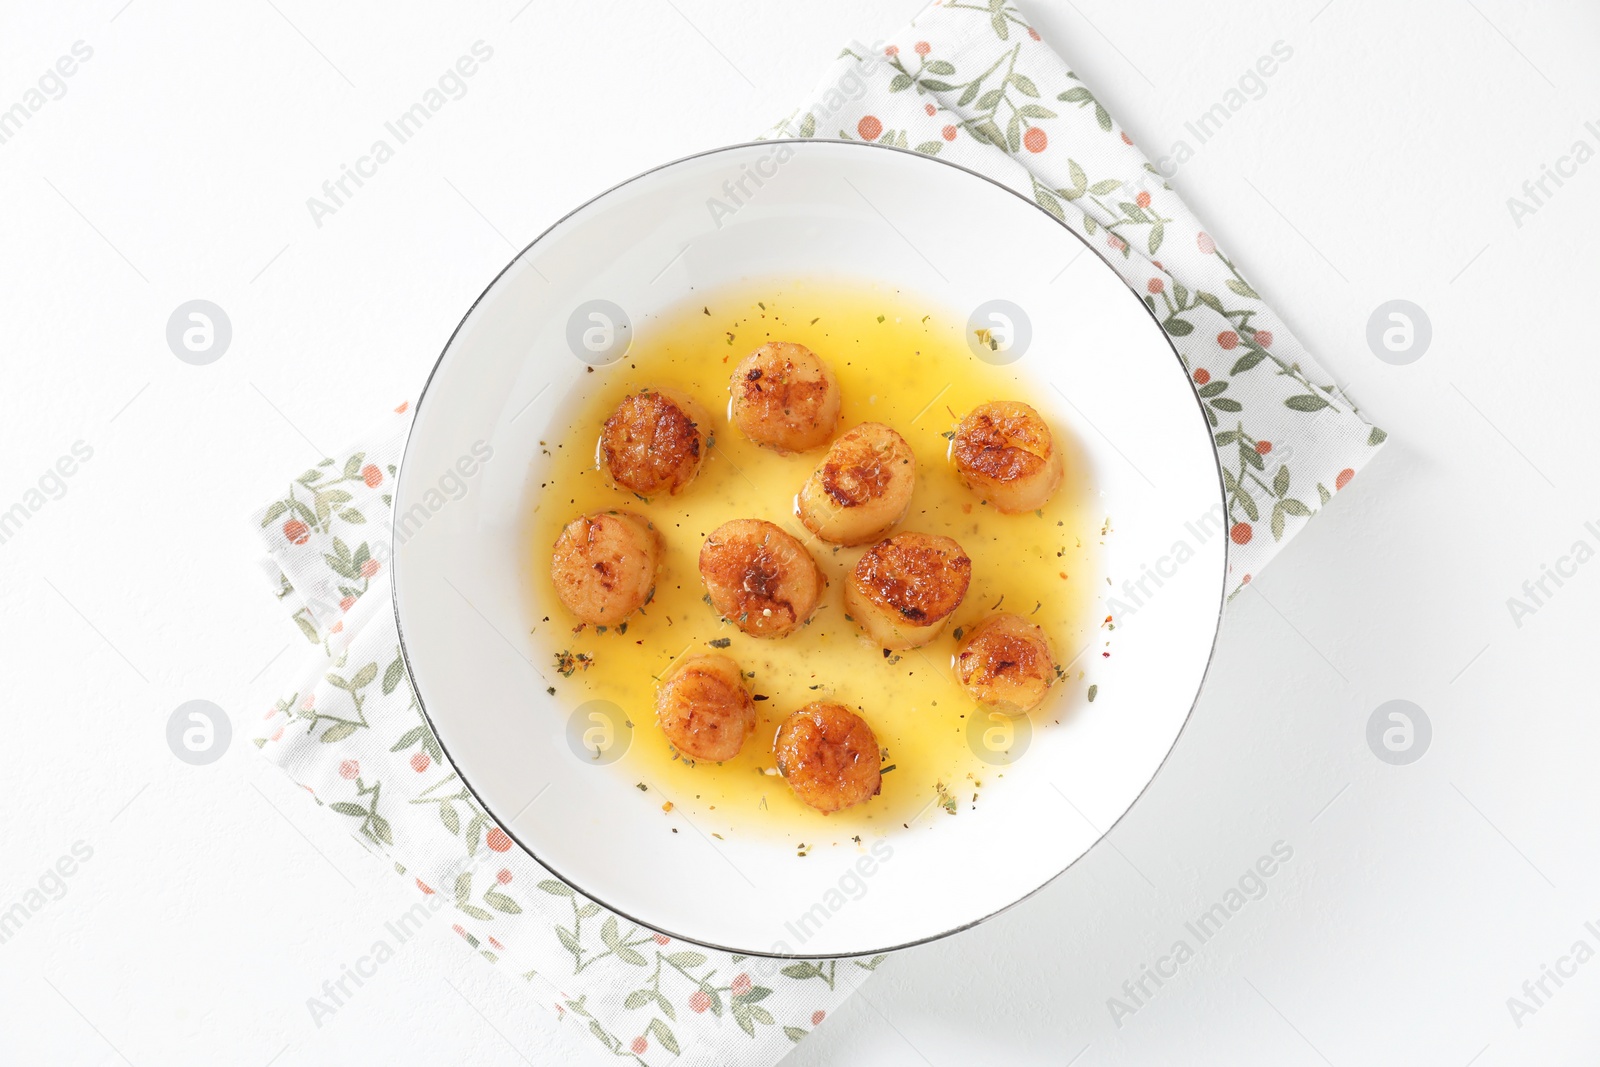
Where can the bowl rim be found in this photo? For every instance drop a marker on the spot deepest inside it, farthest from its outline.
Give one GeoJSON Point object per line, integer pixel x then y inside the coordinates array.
{"type": "Point", "coordinates": [397, 511]}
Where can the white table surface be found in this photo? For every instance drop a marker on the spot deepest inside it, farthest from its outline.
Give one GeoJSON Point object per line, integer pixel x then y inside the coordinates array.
{"type": "Point", "coordinates": [1377, 165]}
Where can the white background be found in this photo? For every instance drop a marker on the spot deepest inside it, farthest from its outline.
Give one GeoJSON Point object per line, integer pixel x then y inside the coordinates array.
{"type": "Point", "coordinates": [1376, 166]}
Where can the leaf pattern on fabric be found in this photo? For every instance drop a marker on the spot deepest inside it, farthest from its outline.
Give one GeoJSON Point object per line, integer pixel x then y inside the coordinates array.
{"type": "Point", "coordinates": [974, 84]}
{"type": "Point", "coordinates": [353, 735]}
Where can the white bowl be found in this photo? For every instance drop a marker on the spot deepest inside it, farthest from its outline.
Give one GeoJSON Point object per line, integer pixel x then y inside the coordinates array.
{"type": "Point", "coordinates": [503, 383]}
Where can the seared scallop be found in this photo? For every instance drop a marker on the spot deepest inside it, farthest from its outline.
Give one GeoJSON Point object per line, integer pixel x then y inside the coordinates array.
{"type": "Point", "coordinates": [1005, 663]}
{"type": "Point", "coordinates": [861, 488]}
{"type": "Point", "coordinates": [903, 589]}
{"type": "Point", "coordinates": [760, 577]}
{"type": "Point", "coordinates": [705, 709]}
{"type": "Point", "coordinates": [829, 756]}
{"type": "Point", "coordinates": [785, 398]}
{"type": "Point", "coordinates": [1005, 452]}
{"type": "Point", "coordinates": [604, 565]}
{"type": "Point", "coordinates": [654, 442]}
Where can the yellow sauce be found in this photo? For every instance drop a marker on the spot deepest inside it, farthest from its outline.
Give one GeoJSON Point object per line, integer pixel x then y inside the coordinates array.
{"type": "Point", "coordinates": [899, 361]}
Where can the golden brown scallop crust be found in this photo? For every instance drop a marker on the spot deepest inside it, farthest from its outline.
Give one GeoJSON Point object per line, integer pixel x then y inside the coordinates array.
{"type": "Point", "coordinates": [654, 442]}
{"type": "Point", "coordinates": [705, 709]}
{"type": "Point", "coordinates": [604, 565]}
{"type": "Point", "coordinates": [857, 471]}
{"type": "Point", "coordinates": [919, 577]}
{"type": "Point", "coordinates": [759, 577]}
{"type": "Point", "coordinates": [1005, 449]}
{"type": "Point", "coordinates": [829, 756]}
{"type": "Point", "coordinates": [785, 397]}
{"type": "Point", "coordinates": [862, 487]}
{"type": "Point", "coordinates": [1005, 662]}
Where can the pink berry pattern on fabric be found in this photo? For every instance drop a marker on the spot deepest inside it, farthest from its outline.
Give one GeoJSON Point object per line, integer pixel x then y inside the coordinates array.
{"type": "Point", "coordinates": [353, 735]}
{"type": "Point", "coordinates": [976, 84]}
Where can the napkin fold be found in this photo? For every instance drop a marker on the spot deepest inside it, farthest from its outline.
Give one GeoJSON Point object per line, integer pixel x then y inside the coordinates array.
{"type": "Point", "coordinates": [967, 81]}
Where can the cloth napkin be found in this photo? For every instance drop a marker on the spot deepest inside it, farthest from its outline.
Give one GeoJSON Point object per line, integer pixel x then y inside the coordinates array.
{"type": "Point", "coordinates": [350, 731]}
{"type": "Point", "coordinates": [969, 82]}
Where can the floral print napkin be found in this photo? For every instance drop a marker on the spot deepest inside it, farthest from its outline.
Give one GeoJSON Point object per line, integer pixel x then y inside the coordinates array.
{"type": "Point", "coordinates": [349, 730]}
{"type": "Point", "coordinates": [967, 81]}
{"type": "Point", "coordinates": [972, 83]}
